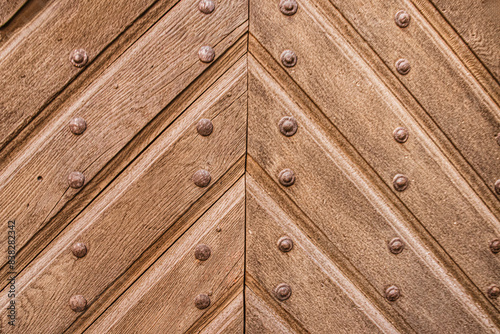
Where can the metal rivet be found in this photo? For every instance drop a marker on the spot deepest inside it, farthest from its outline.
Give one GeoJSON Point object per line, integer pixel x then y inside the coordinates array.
{"type": "Point", "coordinates": [218, 229]}
{"type": "Point", "coordinates": [288, 7]}
{"type": "Point", "coordinates": [283, 291]}
{"type": "Point", "coordinates": [79, 57]}
{"type": "Point", "coordinates": [392, 293]}
{"type": "Point", "coordinates": [400, 182]}
{"type": "Point", "coordinates": [497, 187]}
{"type": "Point", "coordinates": [202, 252]}
{"type": "Point", "coordinates": [202, 301]}
{"type": "Point", "coordinates": [288, 126]}
{"type": "Point", "coordinates": [76, 179]}
{"type": "Point", "coordinates": [401, 135]}
{"type": "Point", "coordinates": [403, 66]}
{"type": "Point", "coordinates": [206, 54]}
{"type": "Point", "coordinates": [495, 246]}
{"type": "Point", "coordinates": [285, 244]}
{"type": "Point", "coordinates": [289, 58]}
{"type": "Point", "coordinates": [402, 19]}
{"type": "Point", "coordinates": [206, 6]}
{"type": "Point", "coordinates": [202, 178]}
{"type": "Point", "coordinates": [396, 246]}
{"type": "Point", "coordinates": [287, 177]}
{"type": "Point", "coordinates": [204, 127]}
{"type": "Point", "coordinates": [77, 125]}
{"type": "Point", "coordinates": [494, 291]}
{"type": "Point", "coordinates": [79, 249]}
{"type": "Point", "coordinates": [78, 303]}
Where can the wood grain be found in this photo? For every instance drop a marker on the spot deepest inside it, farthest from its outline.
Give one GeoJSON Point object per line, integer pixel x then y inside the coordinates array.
{"type": "Point", "coordinates": [141, 205]}
{"type": "Point", "coordinates": [116, 106]}
{"type": "Point", "coordinates": [348, 214]}
{"type": "Point", "coordinates": [366, 113]}
{"type": "Point", "coordinates": [178, 277]}
{"type": "Point", "coordinates": [8, 8]}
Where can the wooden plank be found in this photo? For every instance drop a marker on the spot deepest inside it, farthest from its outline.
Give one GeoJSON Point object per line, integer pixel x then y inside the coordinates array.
{"type": "Point", "coordinates": [229, 321]}
{"type": "Point", "coordinates": [350, 94]}
{"type": "Point", "coordinates": [116, 106]}
{"type": "Point", "coordinates": [178, 277]}
{"type": "Point", "coordinates": [142, 203]}
{"type": "Point", "coordinates": [344, 204]}
{"type": "Point", "coordinates": [37, 58]}
{"type": "Point", "coordinates": [477, 23]}
{"type": "Point", "coordinates": [8, 8]}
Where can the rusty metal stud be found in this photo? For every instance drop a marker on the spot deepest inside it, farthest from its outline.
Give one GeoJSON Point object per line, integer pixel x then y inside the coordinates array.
{"type": "Point", "coordinates": [402, 19]}
{"type": "Point", "coordinates": [206, 54]}
{"type": "Point", "coordinates": [497, 187]}
{"type": "Point", "coordinates": [287, 177]}
{"type": "Point", "coordinates": [76, 180]}
{"type": "Point", "coordinates": [285, 244]}
{"type": "Point", "coordinates": [396, 245]}
{"type": "Point", "coordinates": [202, 252]}
{"type": "Point", "coordinates": [401, 135]}
{"type": "Point", "coordinates": [204, 127]}
{"type": "Point", "coordinates": [202, 178]}
{"type": "Point", "coordinates": [202, 301]}
{"type": "Point", "coordinates": [289, 58]}
{"type": "Point", "coordinates": [403, 66]}
{"type": "Point", "coordinates": [78, 303]}
{"type": "Point", "coordinates": [493, 291]}
{"type": "Point", "coordinates": [392, 293]}
{"type": "Point", "coordinates": [206, 6]}
{"type": "Point", "coordinates": [495, 246]}
{"type": "Point", "coordinates": [79, 249]}
{"type": "Point", "coordinates": [288, 126]}
{"type": "Point", "coordinates": [283, 291]}
{"type": "Point", "coordinates": [79, 57]}
{"type": "Point", "coordinates": [400, 182]}
{"type": "Point", "coordinates": [288, 7]}
{"type": "Point", "coordinates": [77, 125]}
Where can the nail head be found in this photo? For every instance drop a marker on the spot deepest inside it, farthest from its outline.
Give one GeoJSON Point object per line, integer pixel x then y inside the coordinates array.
{"type": "Point", "coordinates": [283, 291]}
{"type": "Point", "coordinates": [402, 19]}
{"type": "Point", "coordinates": [204, 127]}
{"type": "Point", "coordinates": [400, 182]}
{"type": "Point", "coordinates": [495, 246]}
{"type": "Point", "coordinates": [202, 178]}
{"type": "Point", "coordinates": [79, 249]}
{"type": "Point", "coordinates": [206, 6]}
{"type": "Point", "coordinates": [77, 125]}
{"type": "Point", "coordinates": [396, 246]}
{"type": "Point", "coordinates": [79, 57]}
{"type": "Point", "coordinates": [78, 303]}
{"type": "Point", "coordinates": [287, 177]}
{"type": "Point", "coordinates": [285, 244]}
{"type": "Point", "coordinates": [288, 58]}
{"type": "Point", "coordinates": [202, 301]}
{"type": "Point", "coordinates": [401, 135]}
{"type": "Point", "coordinates": [76, 180]}
{"type": "Point", "coordinates": [288, 126]}
{"type": "Point", "coordinates": [494, 291]}
{"type": "Point", "coordinates": [288, 7]}
{"type": "Point", "coordinates": [202, 252]}
{"type": "Point", "coordinates": [497, 187]}
{"type": "Point", "coordinates": [403, 66]}
{"type": "Point", "coordinates": [392, 293]}
{"type": "Point", "coordinates": [206, 54]}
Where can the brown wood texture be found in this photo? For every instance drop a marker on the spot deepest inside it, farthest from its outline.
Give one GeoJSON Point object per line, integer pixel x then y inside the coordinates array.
{"type": "Point", "coordinates": [141, 216]}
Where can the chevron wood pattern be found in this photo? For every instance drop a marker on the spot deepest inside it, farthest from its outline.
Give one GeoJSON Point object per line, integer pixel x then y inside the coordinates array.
{"type": "Point", "coordinates": [202, 166]}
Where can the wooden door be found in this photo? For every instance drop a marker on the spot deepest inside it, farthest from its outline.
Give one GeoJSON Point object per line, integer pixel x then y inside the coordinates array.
{"type": "Point", "coordinates": [293, 166]}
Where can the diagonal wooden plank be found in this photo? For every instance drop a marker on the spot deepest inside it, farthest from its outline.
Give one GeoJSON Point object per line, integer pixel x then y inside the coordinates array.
{"type": "Point", "coordinates": [8, 8]}
{"type": "Point", "coordinates": [350, 94]}
{"type": "Point", "coordinates": [140, 206]}
{"type": "Point", "coordinates": [179, 277]}
{"type": "Point", "coordinates": [350, 214]}
{"type": "Point", "coordinates": [116, 106]}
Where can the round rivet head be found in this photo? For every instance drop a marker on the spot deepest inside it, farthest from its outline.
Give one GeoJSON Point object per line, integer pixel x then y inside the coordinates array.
{"type": "Point", "coordinates": [202, 178]}
{"type": "Point", "coordinates": [288, 58]}
{"type": "Point", "coordinates": [283, 291]}
{"type": "Point", "coordinates": [494, 291]}
{"type": "Point", "coordinates": [285, 244]}
{"type": "Point", "coordinates": [497, 187]}
{"type": "Point", "coordinates": [202, 252]}
{"type": "Point", "coordinates": [77, 125]}
{"type": "Point", "coordinates": [402, 19]}
{"type": "Point", "coordinates": [78, 303]}
{"type": "Point", "coordinates": [400, 182]}
{"type": "Point", "coordinates": [401, 135]}
{"type": "Point", "coordinates": [288, 7]}
{"type": "Point", "coordinates": [202, 301]}
{"type": "Point", "coordinates": [495, 246]}
{"type": "Point", "coordinates": [206, 54]}
{"type": "Point", "coordinates": [206, 6]}
{"type": "Point", "coordinates": [396, 246]}
{"type": "Point", "coordinates": [79, 57]}
{"type": "Point", "coordinates": [392, 293]}
{"type": "Point", "coordinates": [204, 127]}
{"type": "Point", "coordinates": [403, 66]}
{"type": "Point", "coordinates": [76, 180]}
{"type": "Point", "coordinates": [79, 249]}
{"type": "Point", "coordinates": [288, 126]}
{"type": "Point", "coordinates": [287, 177]}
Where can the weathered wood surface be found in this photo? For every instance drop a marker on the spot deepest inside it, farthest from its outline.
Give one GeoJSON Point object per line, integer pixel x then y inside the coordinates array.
{"type": "Point", "coordinates": [141, 216]}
